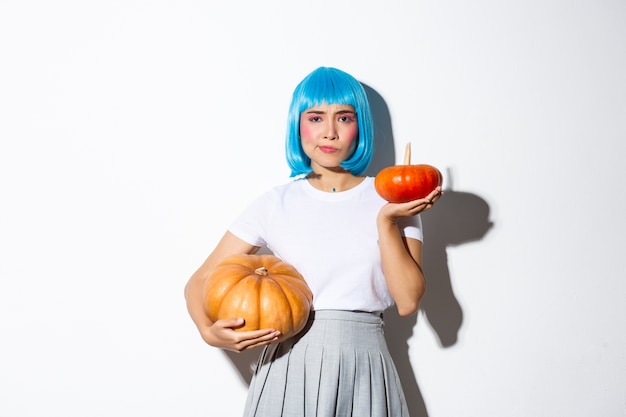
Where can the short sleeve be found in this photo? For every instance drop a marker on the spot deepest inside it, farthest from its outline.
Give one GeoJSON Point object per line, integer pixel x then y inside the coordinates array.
{"type": "Point", "coordinates": [411, 227]}
{"type": "Point", "coordinates": [251, 224]}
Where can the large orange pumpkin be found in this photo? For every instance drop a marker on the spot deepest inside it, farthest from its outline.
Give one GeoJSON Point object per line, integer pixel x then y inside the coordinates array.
{"type": "Point", "coordinates": [262, 289]}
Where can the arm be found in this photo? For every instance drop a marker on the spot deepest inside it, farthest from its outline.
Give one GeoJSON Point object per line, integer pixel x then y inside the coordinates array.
{"type": "Point", "coordinates": [402, 257]}
{"type": "Point", "coordinates": [221, 333]}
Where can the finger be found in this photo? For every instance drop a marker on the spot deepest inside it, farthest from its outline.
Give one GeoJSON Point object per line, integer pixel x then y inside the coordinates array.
{"type": "Point", "coordinates": [233, 323]}
{"type": "Point", "coordinates": [259, 341]}
{"type": "Point", "coordinates": [422, 206]}
{"type": "Point", "coordinates": [434, 195]}
{"type": "Point", "coordinates": [247, 338]}
{"type": "Point", "coordinates": [257, 334]}
{"type": "Point", "coordinates": [425, 203]}
{"type": "Point", "coordinates": [266, 340]}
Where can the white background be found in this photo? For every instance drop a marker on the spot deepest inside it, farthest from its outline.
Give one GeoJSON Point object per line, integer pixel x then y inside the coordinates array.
{"type": "Point", "coordinates": [133, 131]}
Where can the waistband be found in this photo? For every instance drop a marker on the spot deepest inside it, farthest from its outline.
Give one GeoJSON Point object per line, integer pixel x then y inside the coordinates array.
{"type": "Point", "coordinates": [361, 316]}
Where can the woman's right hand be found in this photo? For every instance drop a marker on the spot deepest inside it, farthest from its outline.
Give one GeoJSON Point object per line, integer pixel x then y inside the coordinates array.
{"type": "Point", "coordinates": [222, 334]}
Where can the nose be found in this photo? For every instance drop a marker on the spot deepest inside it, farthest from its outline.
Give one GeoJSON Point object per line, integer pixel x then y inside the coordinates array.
{"type": "Point", "coordinates": [331, 132]}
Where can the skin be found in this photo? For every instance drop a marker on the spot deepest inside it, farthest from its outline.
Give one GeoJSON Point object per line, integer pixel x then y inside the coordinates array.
{"type": "Point", "coordinates": [328, 134]}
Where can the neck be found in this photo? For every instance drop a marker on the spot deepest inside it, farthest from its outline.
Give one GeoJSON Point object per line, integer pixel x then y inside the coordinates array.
{"type": "Point", "coordinates": [333, 181]}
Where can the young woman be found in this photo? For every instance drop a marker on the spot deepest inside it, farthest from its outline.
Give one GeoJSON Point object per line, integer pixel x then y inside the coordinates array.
{"type": "Point", "coordinates": [359, 254]}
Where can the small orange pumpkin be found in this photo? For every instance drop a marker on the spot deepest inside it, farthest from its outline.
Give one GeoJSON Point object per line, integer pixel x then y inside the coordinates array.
{"type": "Point", "coordinates": [406, 182]}
{"type": "Point", "coordinates": [262, 289]}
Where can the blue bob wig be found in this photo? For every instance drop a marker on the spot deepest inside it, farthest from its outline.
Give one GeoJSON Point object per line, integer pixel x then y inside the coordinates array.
{"type": "Point", "coordinates": [329, 86]}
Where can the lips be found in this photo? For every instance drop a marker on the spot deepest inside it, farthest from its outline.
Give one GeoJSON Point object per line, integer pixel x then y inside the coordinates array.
{"type": "Point", "coordinates": [328, 149]}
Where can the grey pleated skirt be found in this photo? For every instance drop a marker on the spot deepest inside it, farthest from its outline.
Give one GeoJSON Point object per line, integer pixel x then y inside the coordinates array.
{"type": "Point", "coordinates": [339, 365]}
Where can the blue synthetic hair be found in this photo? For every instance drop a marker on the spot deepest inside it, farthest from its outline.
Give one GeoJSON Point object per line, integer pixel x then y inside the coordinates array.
{"type": "Point", "coordinates": [330, 86]}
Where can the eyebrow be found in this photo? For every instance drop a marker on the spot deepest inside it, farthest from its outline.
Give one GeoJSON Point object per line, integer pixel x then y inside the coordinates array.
{"type": "Point", "coordinates": [323, 112]}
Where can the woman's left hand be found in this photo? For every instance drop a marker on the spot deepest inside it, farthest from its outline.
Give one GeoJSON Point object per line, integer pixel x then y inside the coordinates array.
{"type": "Point", "coordinates": [394, 211]}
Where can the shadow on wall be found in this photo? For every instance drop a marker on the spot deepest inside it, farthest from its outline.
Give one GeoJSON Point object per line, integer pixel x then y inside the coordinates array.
{"type": "Point", "coordinates": [457, 218]}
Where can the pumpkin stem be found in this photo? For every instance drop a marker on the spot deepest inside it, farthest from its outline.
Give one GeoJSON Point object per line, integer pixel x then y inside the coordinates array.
{"type": "Point", "coordinates": [407, 154]}
{"type": "Point", "coordinates": [261, 271]}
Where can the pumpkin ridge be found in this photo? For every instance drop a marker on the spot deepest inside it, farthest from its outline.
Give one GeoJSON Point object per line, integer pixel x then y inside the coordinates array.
{"type": "Point", "coordinates": [300, 284]}
{"type": "Point", "coordinates": [279, 301]}
{"type": "Point", "coordinates": [301, 295]}
{"type": "Point", "coordinates": [284, 269]}
{"type": "Point", "coordinates": [298, 314]}
{"type": "Point", "coordinates": [295, 286]}
{"type": "Point", "coordinates": [288, 277]}
{"type": "Point", "coordinates": [243, 300]}
{"type": "Point", "coordinates": [217, 290]}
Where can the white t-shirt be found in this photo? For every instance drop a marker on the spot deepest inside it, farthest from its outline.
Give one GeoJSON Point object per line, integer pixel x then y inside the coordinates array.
{"type": "Point", "coordinates": [330, 238]}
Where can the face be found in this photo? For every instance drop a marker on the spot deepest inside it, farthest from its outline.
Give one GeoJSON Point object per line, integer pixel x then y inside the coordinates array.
{"type": "Point", "coordinates": [328, 134]}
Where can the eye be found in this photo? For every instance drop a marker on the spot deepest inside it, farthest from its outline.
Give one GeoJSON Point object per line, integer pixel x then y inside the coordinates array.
{"type": "Point", "coordinates": [346, 118]}
{"type": "Point", "coordinates": [315, 119]}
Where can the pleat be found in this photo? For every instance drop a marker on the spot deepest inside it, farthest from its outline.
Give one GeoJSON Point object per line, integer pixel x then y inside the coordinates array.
{"type": "Point", "coordinates": [378, 393]}
{"type": "Point", "coordinates": [393, 388]}
{"type": "Point", "coordinates": [313, 360]}
{"type": "Point", "coordinates": [295, 386]}
{"type": "Point", "coordinates": [346, 386]}
{"type": "Point", "coordinates": [268, 390]}
{"type": "Point", "coordinates": [362, 386]}
{"type": "Point", "coordinates": [339, 367]}
{"type": "Point", "coordinates": [329, 377]}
